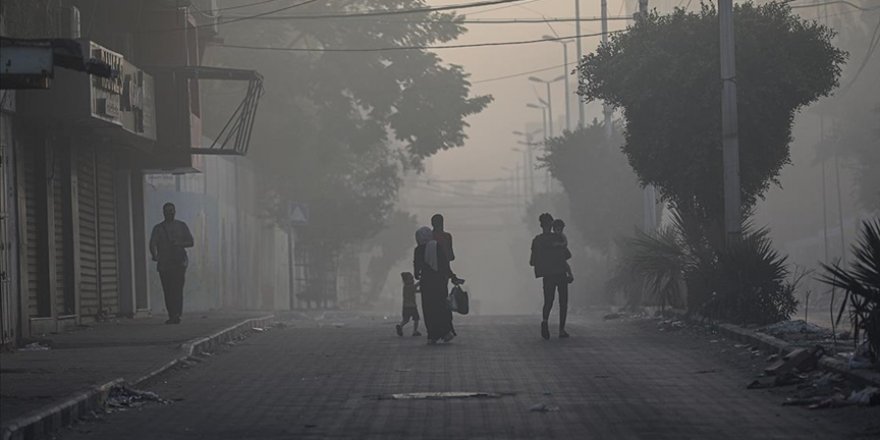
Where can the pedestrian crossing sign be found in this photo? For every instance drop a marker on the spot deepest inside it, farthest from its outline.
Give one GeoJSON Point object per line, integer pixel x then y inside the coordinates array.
{"type": "Point", "coordinates": [299, 214]}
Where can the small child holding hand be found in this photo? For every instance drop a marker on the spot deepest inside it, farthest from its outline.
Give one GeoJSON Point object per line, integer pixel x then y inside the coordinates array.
{"type": "Point", "coordinates": [410, 309]}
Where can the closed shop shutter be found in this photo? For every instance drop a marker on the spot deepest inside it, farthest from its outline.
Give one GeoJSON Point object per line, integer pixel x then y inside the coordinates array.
{"type": "Point", "coordinates": [88, 240]}
{"type": "Point", "coordinates": [32, 259]}
{"type": "Point", "coordinates": [8, 266]}
{"type": "Point", "coordinates": [108, 256]}
{"type": "Point", "coordinates": [59, 185]}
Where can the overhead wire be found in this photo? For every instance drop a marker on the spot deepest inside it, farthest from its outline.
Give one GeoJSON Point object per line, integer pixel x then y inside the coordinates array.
{"type": "Point", "coordinates": [515, 75]}
{"type": "Point", "coordinates": [472, 21]}
{"type": "Point", "coordinates": [833, 2]}
{"type": "Point", "coordinates": [526, 2]}
{"type": "Point", "coordinates": [375, 13]}
{"type": "Point", "coordinates": [226, 8]}
{"type": "Point", "coordinates": [233, 20]}
{"type": "Point", "coordinates": [872, 47]}
{"type": "Point", "coordinates": [420, 47]}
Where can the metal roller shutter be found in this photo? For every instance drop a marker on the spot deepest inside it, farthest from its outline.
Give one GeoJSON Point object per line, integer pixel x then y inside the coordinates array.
{"type": "Point", "coordinates": [108, 258]}
{"type": "Point", "coordinates": [8, 295]}
{"type": "Point", "coordinates": [88, 241]}
{"type": "Point", "coordinates": [59, 184]}
{"type": "Point", "coordinates": [32, 257]}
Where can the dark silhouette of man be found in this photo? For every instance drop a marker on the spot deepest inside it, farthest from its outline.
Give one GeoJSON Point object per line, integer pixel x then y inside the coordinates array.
{"type": "Point", "coordinates": [168, 244]}
{"type": "Point", "coordinates": [549, 257]}
{"type": "Point", "coordinates": [443, 238]}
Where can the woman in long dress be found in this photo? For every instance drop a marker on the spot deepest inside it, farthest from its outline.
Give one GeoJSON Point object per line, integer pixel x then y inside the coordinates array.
{"type": "Point", "coordinates": [431, 267]}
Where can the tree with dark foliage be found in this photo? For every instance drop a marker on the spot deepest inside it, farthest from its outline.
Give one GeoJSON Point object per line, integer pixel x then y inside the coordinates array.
{"type": "Point", "coordinates": [336, 129]}
{"type": "Point", "coordinates": [664, 73]}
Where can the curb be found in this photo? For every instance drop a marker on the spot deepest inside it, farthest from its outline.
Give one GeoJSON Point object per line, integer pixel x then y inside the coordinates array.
{"type": "Point", "coordinates": [45, 421]}
{"type": "Point", "coordinates": [206, 344]}
{"type": "Point", "coordinates": [772, 344]}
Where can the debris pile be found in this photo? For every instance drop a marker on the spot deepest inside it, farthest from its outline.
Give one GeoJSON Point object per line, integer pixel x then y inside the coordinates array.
{"type": "Point", "coordinates": [814, 388]}
{"type": "Point", "coordinates": [124, 397]}
{"type": "Point", "coordinates": [543, 407]}
{"type": "Point", "coordinates": [34, 346]}
{"type": "Point", "coordinates": [797, 330]}
{"type": "Point", "coordinates": [670, 325]}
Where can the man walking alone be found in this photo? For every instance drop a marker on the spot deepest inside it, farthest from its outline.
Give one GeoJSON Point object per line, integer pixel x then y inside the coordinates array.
{"type": "Point", "coordinates": [549, 258]}
{"type": "Point", "coordinates": [168, 244]}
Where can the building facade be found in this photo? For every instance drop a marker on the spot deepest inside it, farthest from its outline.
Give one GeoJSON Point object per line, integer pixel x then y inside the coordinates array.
{"type": "Point", "coordinates": [76, 155]}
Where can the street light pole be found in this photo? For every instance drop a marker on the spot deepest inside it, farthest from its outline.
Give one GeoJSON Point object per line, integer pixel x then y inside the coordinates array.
{"type": "Point", "coordinates": [649, 194]}
{"type": "Point", "coordinates": [549, 111]}
{"type": "Point", "coordinates": [567, 93]}
{"type": "Point", "coordinates": [577, 31]}
{"type": "Point", "coordinates": [606, 109]}
{"type": "Point", "coordinates": [549, 103]}
{"type": "Point", "coordinates": [729, 122]}
{"type": "Point", "coordinates": [530, 154]}
{"type": "Point", "coordinates": [564, 75]}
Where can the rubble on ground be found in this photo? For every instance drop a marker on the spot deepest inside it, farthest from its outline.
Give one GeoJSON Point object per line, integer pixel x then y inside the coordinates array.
{"type": "Point", "coordinates": [670, 325]}
{"type": "Point", "coordinates": [796, 330]}
{"type": "Point", "coordinates": [123, 397]}
{"type": "Point", "coordinates": [34, 346]}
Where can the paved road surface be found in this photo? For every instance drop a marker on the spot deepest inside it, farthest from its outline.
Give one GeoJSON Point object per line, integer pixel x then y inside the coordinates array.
{"type": "Point", "coordinates": [611, 380]}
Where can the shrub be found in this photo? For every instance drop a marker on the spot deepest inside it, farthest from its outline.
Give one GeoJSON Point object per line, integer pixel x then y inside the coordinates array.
{"type": "Point", "coordinates": [746, 282]}
{"type": "Point", "coordinates": [749, 282]}
{"type": "Point", "coordinates": [861, 282]}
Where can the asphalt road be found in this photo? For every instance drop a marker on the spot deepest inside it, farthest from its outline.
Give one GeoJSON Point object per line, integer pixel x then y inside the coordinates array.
{"type": "Point", "coordinates": [338, 378]}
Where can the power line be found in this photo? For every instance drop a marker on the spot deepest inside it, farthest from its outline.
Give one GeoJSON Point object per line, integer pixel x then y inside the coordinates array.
{"type": "Point", "coordinates": [872, 47]}
{"type": "Point", "coordinates": [269, 14]}
{"type": "Point", "coordinates": [247, 17]}
{"type": "Point", "coordinates": [227, 8]}
{"type": "Point", "coordinates": [463, 21]}
{"type": "Point", "coordinates": [493, 179]}
{"type": "Point", "coordinates": [375, 13]}
{"type": "Point", "coordinates": [382, 49]}
{"type": "Point", "coordinates": [845, 2]}
{"type": "Point", "coordinates": [503, 7]}
{"type": "Point", "coordinates": [515, 75]}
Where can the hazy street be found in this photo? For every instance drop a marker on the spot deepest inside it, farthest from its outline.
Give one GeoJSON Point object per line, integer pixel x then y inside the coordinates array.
{"type": "Point", "coordinates": [613, 379]}
{"type": "Point", "coordinates": [609, 219]}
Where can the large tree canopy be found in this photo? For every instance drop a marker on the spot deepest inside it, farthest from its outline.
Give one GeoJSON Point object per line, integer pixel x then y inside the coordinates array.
{"type": "Point", "coordinates": [602, 189]}
{"type": "Point", "coordinates": [336, 129]}
{"type": "Point", "coordinates": [664, 73]}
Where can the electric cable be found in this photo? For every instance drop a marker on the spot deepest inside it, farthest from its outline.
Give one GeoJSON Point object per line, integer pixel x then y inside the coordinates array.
{"type": "Point", "coordinates": [374, 13]}
{"type": "Point", "coordinates": [872, 47]}
{"type": "Point", "coordinates": [503, 7]}
{"type": "Point", "coordinates": [247, 17]}
{"type": "Point", "coordinates": [391, 48]}
{"type": "Point", "coordinates": [832, 2]}
{"type": "Point", "coordinates": [464, 21]}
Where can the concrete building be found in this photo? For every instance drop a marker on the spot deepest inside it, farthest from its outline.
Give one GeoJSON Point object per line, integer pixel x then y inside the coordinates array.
{"type": "Point", "coordinates": [75, 153]}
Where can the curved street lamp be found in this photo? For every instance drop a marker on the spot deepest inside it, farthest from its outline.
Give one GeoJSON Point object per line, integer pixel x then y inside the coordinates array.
{"type": "Point", "coordinates": [548, 103]}
{"type": "Point", "coordinates": [565, 74]}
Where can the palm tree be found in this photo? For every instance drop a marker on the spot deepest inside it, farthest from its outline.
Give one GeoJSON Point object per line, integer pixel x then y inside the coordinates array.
{"type": "Point", "coordinates": [861, 282]}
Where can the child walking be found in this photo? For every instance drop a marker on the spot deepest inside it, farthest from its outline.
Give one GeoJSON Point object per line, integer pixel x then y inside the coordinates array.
{"type": "Point", "coordinates": [410, 309]}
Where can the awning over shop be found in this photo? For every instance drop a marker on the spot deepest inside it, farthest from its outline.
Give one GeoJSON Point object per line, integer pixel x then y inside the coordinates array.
{"type": "Point", "coordinates": [29, 63]}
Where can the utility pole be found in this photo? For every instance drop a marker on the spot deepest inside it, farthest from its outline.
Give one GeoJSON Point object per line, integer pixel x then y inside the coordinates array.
{"type": "Point", "coordinates": [606, 109]}
{"type": "Point", "coordinates": [567, 93]}
{"type": "Point", "coordinates": [577, 31]}
{"type": "Point", "coordinates": [549, 112]}
{"type": "Point", "coordinates": [729, 123]}
{"type": "Point", "coordinates": [564, 77]}
{"type": "Point", "coordinates": [649, 194]}
{"type": "Point", "coordinates": [529, 154]}
{"type": "Point", "coordinates": [548, 103]}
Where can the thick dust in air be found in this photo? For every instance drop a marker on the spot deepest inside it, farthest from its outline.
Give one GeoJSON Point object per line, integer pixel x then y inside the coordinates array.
{"type": "Point", "coordinates": [303, 218]}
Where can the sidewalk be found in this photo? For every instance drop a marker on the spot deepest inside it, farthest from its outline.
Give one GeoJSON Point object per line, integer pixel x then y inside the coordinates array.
{"type": "Point", "coordinates": [94, 355]}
